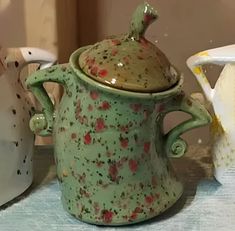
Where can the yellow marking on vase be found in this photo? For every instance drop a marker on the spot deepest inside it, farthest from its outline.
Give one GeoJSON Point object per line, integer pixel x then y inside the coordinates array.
{"type": "Point", "coordinates": [197, 70]}
{"type": "Point", "coordinates": [216, 128]}
{"type": "Point", "coordinates": [203, 53]}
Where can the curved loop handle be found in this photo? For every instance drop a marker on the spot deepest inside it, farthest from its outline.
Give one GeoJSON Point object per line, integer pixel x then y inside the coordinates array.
{"type": "Point", "coordinates": [20, 57]}
{"type": "Point", "coordinates": [219, 56]}
{"type": "Point", "coordinates": [175, 146]}
{"type": "Point", "coordinates": [14, 59]}
{"type": "Point", "coordinates": [42, 124]}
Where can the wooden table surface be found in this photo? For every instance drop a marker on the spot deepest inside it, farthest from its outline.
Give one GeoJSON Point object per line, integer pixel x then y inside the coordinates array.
{"type": "Point", "coordinates": [205, 205]}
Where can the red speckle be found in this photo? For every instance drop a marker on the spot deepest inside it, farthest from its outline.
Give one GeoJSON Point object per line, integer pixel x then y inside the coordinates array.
{"type": "Point", "coordinates": [148, 18]}
{"type": "Point", "coordinates": [102, 73]}
{"type": "Point", "coordinates": [133, 216]}
{"type": "Point", "coordinates": [133, 165]}
{"type": "Point", "coordinates": [113, 172]}
{"type": "Point", "coordinates": [146, 147]}
{"type": "Point", "coordinates": [138, 210]}
{"type": "Point", "coordinates": [136, 107]}
{"type": "Point", "coordinates": [99, 126]}
{"type": "Point", "coordinates": [149, 199]}
{"type": "Point", "coordinates": [90, 107]}
{"type": "Point", "coordinates": [104, 106]}
{"type": "Point", "coordinates": [144, 42]}
{"type": "Point", "coordinates": [73, 136]}
{"type": "Point", "coordinates": [94, 95]}
{"type": "Point", "coordinates": [116, 42]}
{"type": "Point", "coordinates": [126, 60]}
{"type": "Point", "coordinates": [87, 138]}
{"type": "Point", "coordinates": [107, 216]}
{"type": "Point", "coordinates": [94, 70]}
{"type": "Point", "coordinates": [114, 52]}
{"type": "Point", "coordinates": [161, 108]}
{"type": "Point", "coordinates": [124, 142]}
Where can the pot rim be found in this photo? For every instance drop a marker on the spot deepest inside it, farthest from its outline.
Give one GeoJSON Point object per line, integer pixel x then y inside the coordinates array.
{"type": "Point", "coordinates": [73, 61]}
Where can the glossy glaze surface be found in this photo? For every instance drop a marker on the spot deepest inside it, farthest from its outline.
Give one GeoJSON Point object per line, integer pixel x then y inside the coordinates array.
{"type": "Point", "coordinates": [130, 61]}
{"type": "Point", "coordinates": [221, 98]}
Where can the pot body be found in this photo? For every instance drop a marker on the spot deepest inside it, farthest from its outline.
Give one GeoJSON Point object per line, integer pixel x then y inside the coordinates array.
{"type": "Point", "coordinates": [16, 139]}
{"type": "Point", "coordinates": [111, 161]}
{"type": "Point", "coordinates": [111, 153]}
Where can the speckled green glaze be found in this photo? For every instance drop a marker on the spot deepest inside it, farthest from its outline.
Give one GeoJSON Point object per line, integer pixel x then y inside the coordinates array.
{"type": "Point", "coordinates": [110, 149]}
{"type": "Point", "coordinates": [130, 61]}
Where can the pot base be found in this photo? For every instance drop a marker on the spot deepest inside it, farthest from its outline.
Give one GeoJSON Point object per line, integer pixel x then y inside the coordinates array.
{"type": "Point", "coordinates": [133, 218]}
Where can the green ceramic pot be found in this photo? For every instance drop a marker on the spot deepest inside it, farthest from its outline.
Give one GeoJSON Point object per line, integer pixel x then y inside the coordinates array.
{"type": "Point", "coordinates": [111, 153]}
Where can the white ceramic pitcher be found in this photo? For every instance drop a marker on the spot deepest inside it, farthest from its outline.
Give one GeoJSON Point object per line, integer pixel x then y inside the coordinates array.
{"type": "Point", "coordinates": [16, 139]}
{"type": "Point", "coordinates": [222, 99]}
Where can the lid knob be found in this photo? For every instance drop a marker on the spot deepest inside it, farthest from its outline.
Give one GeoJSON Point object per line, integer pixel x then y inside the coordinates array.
{"type": "Point", "coordinates": [143, 16]}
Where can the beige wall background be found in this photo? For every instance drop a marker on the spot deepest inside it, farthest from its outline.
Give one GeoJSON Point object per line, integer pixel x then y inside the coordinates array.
{"type": "Point", "coordinates": [183, 28]}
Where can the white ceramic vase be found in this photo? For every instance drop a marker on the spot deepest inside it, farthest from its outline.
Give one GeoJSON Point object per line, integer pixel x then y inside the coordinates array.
{"type": "Point", "coordinates": [16, 139]}
{"type": "Point", "coordinates": [222, 99]}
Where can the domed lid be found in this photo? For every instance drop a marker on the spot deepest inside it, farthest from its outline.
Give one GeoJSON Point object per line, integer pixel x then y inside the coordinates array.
{"type": "Point", "coordinates": [130, 62]}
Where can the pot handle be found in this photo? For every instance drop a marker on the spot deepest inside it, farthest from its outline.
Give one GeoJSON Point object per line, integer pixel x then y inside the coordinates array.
{"type": "Point", "coordinates": [175, 146]}
{"type": "Point", "coordinates": [42, 124]}
{"type": "Point", "coordinates": [219, 56]}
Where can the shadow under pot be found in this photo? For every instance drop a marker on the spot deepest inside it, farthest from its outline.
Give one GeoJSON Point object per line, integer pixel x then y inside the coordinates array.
{"type": "Point", "coordinates": [111, 153]}
{"type": "Point", "coordinates": [16, 109]}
